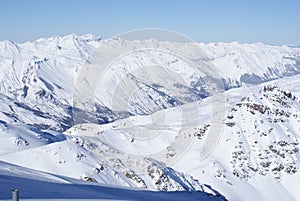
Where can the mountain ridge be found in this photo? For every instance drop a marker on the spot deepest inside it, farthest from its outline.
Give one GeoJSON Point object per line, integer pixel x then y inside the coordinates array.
{"type": "Point", "coordinates": [53, 64]}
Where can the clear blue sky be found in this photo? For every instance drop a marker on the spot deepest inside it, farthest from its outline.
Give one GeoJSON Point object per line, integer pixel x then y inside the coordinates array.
{"type": "Point", "coordinates": [268, 21]}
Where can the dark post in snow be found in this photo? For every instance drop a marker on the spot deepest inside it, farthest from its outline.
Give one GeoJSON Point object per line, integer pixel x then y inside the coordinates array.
{"type": "Point", "coordinates": [15, 195]}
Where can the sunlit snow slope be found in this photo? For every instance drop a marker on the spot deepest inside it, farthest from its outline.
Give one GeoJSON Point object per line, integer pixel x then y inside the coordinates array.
{"type": "Point", "coordinates": [254, 155]}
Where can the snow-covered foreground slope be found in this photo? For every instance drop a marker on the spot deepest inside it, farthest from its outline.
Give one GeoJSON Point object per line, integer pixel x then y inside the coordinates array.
{"type": "Point", "coordinates": [35, 185]}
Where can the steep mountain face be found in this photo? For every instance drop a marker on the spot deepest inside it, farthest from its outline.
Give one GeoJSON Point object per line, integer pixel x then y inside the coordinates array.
{"type": "Point", "coordinates": [155, 114]}
{"type": "Point", "coordinates": [259, 144]}
{"type": "Point", "coordinates": [38, 78]}
{"type": "Point", "coordinates": [277, 119]}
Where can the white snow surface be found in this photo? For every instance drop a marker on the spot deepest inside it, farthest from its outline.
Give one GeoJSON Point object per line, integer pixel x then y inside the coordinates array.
{"type": "Point", "coordinates": [153, 137]}
{"type": "Point", "coordinates": [36, 185]}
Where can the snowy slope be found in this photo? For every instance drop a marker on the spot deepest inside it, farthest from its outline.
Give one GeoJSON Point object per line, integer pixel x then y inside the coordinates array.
{"type": "Point", "coordinates": [258, 152]}
{"type": "Point", "coordinates": [141, 77]}
{"type": "Point", "coordinates": [259, 143]}
{"type": "Point", "coordinates": [255, 158]}
{"type": "Point", "coordinates": [159, 129]}
{"type": "Point", "coordinates": [91, 160]}
{"type": "Point", "coordinates": [39, 76]}
{"type": "Point", "coordinates": [35, 185]}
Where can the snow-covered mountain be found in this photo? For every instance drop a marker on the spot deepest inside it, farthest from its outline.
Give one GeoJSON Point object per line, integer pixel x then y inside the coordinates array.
{"type": "Point", "coordinates": [163, 91]}
{"type": "Point", "coordinates": [39, 77]}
